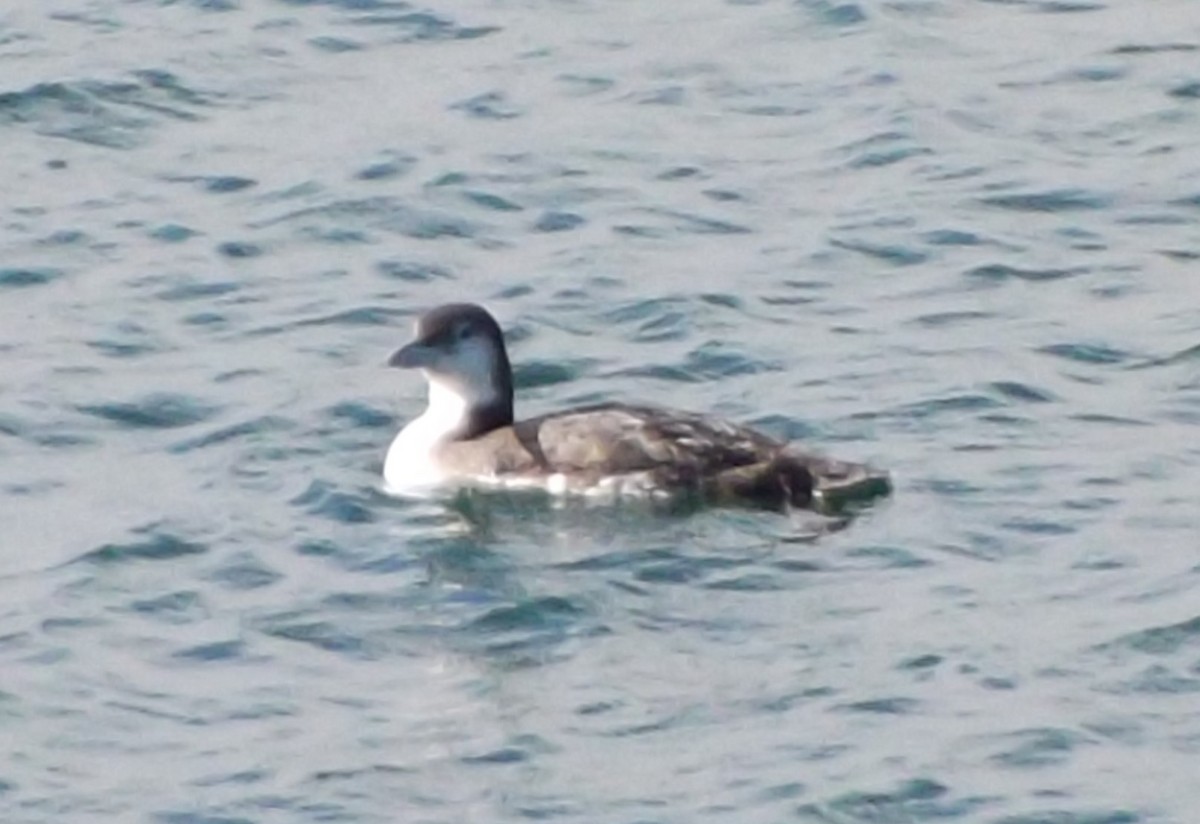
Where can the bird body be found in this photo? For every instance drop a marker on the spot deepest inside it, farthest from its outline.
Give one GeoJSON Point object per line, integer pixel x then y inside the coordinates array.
{"type": "Point", "coordinates": [468, 436]}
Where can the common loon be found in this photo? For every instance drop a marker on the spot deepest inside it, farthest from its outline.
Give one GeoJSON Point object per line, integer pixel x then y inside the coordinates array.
{"type": "Point", "coordinates": [467, 437]}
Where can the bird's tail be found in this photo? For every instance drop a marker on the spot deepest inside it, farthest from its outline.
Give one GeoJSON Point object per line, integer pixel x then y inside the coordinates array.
{"type": "Point", "coordinates": [793, 478]}
{"type": "Point", "coordinates": [837, 484]}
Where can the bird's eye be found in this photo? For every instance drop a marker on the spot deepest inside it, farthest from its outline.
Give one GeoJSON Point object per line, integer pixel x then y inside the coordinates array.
{"type": "Point", "coordinates": [463, 332]}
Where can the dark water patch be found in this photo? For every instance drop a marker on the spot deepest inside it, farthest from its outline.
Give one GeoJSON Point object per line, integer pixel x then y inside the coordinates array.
{"type": "Point", "coordinates": [1155, 48]}
{"type": "Point", "coordinates": [1068, 6]}
{"type": "Point", "coordinates": [173, 233]}
{"type": "Point", "coordinates": [239, 249]}
{"type": "Point", "coordinates": [920, 799]}
{"type": "Point", "coordinates": [890, 557]}
{"type": "Point", "coordinates": [681, 173]}
{"type": "Point", "coordinates": [1162, 640]}
{"type": "Point", "coordinates": [250, 429]}
{"type": "Point", "coordinates": [1185, 355]}
{"type": "Point", "coordinates": [492, 202]}
{"type": "Point", "coordinates": [209, 320]}
{"type": "Point", "coordinates": [940, 320]}
{"type": "Point", "coordinates": [723, 300]}
{"type": "Point", "coordinates": [1180, 255]}
{"type": "Point", "coordinates": [1167, 219]}
{"type": "Point", "coordinates": [324, 501]}
{"type": "Point", "coordinates": [783, 427]}
{"type": "Point", "coordinates": [130, 340]}
{"type": "Point", "coordinates": [921, 663]}
{"type": "Point", "coordinates": [20, 277]}
{"type": "Point", "coordinates": [1051, 200]}
{"type": "Point", "coordinates": [356, 774]}
{"type": "Point", "coordinates": [488, 106]}
{"type": "Point", "coordinates": [179, 607]}
{"type": "Point", "coordinates": [520, 749]}
{"type": "Point", "coordinates": [936, 407]}
{"type": "Point", "coordinates": [338, 237]}
{"type": "Point", "coordinates": [662, 723]}
{"type": "Point", "coordinates": [1000, 272]}
{"type": "Point", "coordinates": [323, 635]}
{"type": "Point", "coordinates": [882, 706]}
{"type": "Point", "coordinates": [1159, 680]}
{"type": "Point", "coordinates": [698, 224]}
{"type": "Point", "coordinates": [675, 568]}
{"type": "Point", "coordinates": [157, 547]}
{"type": "Point", "coordinates": [532, 374]}
{"type": "Point", "coordinates": [639, 231]}
{"type": "Point", "coordinates": [112, 114]}
{"type": "Point", "coordinates": [782, 792]}
{"type": "Point", "coordinates": [1022, 392]}
{"type": "Point", "coordinates": [952, 237]}
{"type": "Point", "coordinates": [388, 603]}
{"type": "Point", "coordinates": [335, 45]}
{"type": "Point", "coordinates": [895, 255]}
{"type": "Point", "coordinates": [198, 818]}
{"type": "Point", "coordinates": [834, 14]}
{"type": "Point", "coordinates": [361, 416]}
{"type": "Point", "coordinates": [65, 237]}
{"type": "Point", "coordinates": [358, 316]}
{"type": "Point", "coordinates": [389, 168]}
{"type": "Point", "coordinates": [1094, 503]}
{"type": "Point", "coordinates": [243, 573]}
{"type": "Point", "coordinates": [352, 5]}
{"type": "Point", "coordinates": [621, 559]}
{"type": "Point", "coordinates": [413, 271]}
{"type": "Point", "coordinates": [1066, 817]}
{"type": "Point", "coordinates": [51, 436]}
{"type": "Point", "coordinates": [156, 411]}
{"type": "Point", "coordinates": [713, 361]}
{"type": "Point", "coordinates": [198, 290]}
{"type": "Point", "coordinates": [670, 325]}
{"type": "Point", "coordinates": [1037, 748]}
{"type": "Point", "coordinates": [723, 195]}
{"type": "Point", "coordinates": [387, 214]}
{"type": "Point", "coordinates": [554, 221]}
{"type": "Point", "coordinates": [1186, 91]}
{"type": "Point", "coordinates": [752, 582]}
{"type": "Point", "coordinates": [220, 651]}
{"type": "Point", "coordinates": [579, 85]}
{"type": "Point", "coordinates": [774, 110]}
{"type": "Point", "coordinates": [40, 489]}
{"type": "Point", "coordinates": [883, 149]}
{"type": "Point", "coordinates": [1094, 74]}
{"type": "Point", "coordinates": [215, 184]}
{"type": "Point", "coordinates": [993, 682]}
{"type": "Point", "coordinates": [642, 311]}
{"type": "Point", "coordinates": [422, 26]}
{"type": "Point", "coordinates": [532, 614]}
{"type": "Point", "coordinates": [479, 572]}
{"type": "Point", "coordinates": [1089, 353]}
{"type": "Point", "coordinates": [60, 625]}
{"type": "Point", "coordinates": [1107, 420]}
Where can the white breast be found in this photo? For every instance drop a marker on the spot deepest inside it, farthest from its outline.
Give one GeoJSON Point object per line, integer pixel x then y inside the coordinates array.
{"type": "Point", "coordinates": [410, 464]}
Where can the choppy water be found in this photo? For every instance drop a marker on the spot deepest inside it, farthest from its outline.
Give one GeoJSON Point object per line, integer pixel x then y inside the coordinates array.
{"type": "Point", "coordinates": [957, 238]}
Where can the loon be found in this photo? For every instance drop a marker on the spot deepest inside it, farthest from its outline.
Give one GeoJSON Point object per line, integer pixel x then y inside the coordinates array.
{"type": "Point", "coordinates": [467, 436]}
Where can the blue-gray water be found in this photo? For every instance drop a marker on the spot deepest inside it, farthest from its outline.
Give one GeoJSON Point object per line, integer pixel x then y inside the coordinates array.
{"type": "Point", "coordinates": [958, 238]}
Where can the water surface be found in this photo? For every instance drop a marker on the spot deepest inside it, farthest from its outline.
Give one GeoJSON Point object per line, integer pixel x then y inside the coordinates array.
{"type": "Point", "coordinates": [957, 239]}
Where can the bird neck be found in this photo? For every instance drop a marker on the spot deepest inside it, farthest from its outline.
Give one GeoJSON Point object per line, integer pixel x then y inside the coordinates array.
{"type": "Point", "coordinates": [458, 411]}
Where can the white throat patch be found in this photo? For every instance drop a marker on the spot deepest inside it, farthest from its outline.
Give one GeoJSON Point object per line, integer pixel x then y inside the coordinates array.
{"type": "Point", "coordinates": [460, 383]}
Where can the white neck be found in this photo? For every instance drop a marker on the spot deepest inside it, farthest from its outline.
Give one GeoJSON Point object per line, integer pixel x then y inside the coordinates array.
{"type": "Point", "coordinates": [410, 458]}
{"type": "Point", "coordinates": [445, 411]}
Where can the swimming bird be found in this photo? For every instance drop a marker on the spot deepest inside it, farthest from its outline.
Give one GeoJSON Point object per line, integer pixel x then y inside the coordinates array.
{"type": "Point", "coordinates": [468, 436]}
